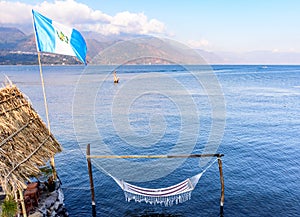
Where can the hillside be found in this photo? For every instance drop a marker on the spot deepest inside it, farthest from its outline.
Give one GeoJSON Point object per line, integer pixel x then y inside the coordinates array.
{"type": "Point", "coordinates": [11, 36]}
{"type": "Point", "coordinates": [18, 48]}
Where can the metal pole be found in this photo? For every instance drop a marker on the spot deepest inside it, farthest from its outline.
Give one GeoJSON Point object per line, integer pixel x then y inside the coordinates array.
{"type": "Point", "coordinates": [222, 188]}
{"type": "Point", "coordinates": [88, 151]}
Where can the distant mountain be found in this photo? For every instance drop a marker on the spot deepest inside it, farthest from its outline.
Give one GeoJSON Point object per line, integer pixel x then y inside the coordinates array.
{"type": "Point", "coordinates": [104, 38]}
{"type": "Point", "coordinates": [95, 46]}
{"type": "Point", "coordinates": [19, 48]}
{"type": "Point", "coordinates": [11, 35]}
{"type": "Point", "coordinates": [148, 50]}
{"type": "Point", "coordinates": [10, 38]}
{"type": "Point", "coordinates": [260, 57]}
{"type": "Point", "coordinates": [273, 57]}
{"type": "Point", "coordinates": [210, 57]}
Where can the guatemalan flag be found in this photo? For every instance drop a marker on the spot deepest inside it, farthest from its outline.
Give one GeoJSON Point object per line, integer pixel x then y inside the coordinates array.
{"type": "Point", "coordinates": [54, 37]}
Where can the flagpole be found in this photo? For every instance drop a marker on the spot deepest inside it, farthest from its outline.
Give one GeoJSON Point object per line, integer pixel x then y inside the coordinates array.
{"type": "Point", "coordinates": [44, 92]}
{"type": "Point", "coordinates": [52, 162]}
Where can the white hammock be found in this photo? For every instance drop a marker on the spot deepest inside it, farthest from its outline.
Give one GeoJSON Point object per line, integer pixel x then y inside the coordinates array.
{"type": "Point", "coordinates": [178, 193]}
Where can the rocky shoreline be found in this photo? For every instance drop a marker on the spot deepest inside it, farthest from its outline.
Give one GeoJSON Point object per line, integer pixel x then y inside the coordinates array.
{"type": "Point", "coordinates": [51, 204]}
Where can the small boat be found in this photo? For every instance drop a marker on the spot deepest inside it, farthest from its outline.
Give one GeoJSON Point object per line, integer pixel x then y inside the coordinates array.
{"type": "Point", "coordinates": [116, 79]}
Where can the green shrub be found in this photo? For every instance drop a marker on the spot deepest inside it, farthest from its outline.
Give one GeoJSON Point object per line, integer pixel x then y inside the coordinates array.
{"type": "Point", "coordinates": [9, 207]}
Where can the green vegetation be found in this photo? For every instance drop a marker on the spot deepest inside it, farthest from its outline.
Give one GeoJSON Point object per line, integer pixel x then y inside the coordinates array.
{"type": "Point", "coordinates": [9, 207]}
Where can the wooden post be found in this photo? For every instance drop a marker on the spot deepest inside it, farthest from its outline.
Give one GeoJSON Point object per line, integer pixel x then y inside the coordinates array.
{"type": "Point", "coordinates": [153, 156]}
{"type": "Point", "coordinates": [22, 203]}
{"type": "Point", "coordinates": [88, 152]}
{"type": "Point", "coordinates": [52, 163]}
{"type": "Point", "coordinates": [222, 187]}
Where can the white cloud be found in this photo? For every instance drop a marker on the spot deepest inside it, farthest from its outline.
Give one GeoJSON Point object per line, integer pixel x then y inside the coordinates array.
{"type": "Point", "coordinates": [71, 12]}
{"type": "Point", "coordinates": [15, 13]}
{"type": "Point", "coordinates": [202, 43]}
{"type": "Point", "coordinates": [81, 16]}
{"type": "Point", "coordinates": [134, 23]}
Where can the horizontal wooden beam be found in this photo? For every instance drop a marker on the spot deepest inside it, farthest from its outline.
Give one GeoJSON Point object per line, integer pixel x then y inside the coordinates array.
{"type": "Point", "coordinates": [153, 156]}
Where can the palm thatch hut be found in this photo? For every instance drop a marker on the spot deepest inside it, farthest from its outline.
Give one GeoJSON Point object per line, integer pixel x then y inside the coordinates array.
{"type": "Point", "coordinates": [25, 142]}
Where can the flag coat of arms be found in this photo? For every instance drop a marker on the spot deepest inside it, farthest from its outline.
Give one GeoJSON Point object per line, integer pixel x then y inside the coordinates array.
{"type": "Point", "coordinates": [54, 37]}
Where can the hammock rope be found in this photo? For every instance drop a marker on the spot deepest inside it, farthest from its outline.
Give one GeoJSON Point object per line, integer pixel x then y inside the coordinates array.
{"type": "Point", "coordinates": [168, 196]}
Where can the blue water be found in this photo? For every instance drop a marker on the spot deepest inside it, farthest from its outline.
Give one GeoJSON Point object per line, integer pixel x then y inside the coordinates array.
{"type": "Point", "coordinates": [260, 142]}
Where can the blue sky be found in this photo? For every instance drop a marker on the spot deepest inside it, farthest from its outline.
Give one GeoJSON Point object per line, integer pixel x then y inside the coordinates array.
{"type": "Point", "coordinates": [214, 25]}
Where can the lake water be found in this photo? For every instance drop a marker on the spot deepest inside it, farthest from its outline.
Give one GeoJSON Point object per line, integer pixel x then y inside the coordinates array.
{"type": "Point", "coordinates": [260, 142]}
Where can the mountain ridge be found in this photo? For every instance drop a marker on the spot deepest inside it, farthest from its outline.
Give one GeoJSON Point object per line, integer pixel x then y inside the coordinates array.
{"type": "Point", "coordinates": [18, 48]}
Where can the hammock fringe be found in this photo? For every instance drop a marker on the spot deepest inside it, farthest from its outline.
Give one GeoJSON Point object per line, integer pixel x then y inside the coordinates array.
{"type": "Point", "coordinates": [163, 201]}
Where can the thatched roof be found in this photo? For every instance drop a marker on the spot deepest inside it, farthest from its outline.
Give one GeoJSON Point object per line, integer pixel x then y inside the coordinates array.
{"type": "Point", "coordinates": [25, 142]}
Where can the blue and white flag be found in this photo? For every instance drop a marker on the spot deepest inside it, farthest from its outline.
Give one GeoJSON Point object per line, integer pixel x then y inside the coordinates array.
{"type": "Point", "coordinates": [54, 37]}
